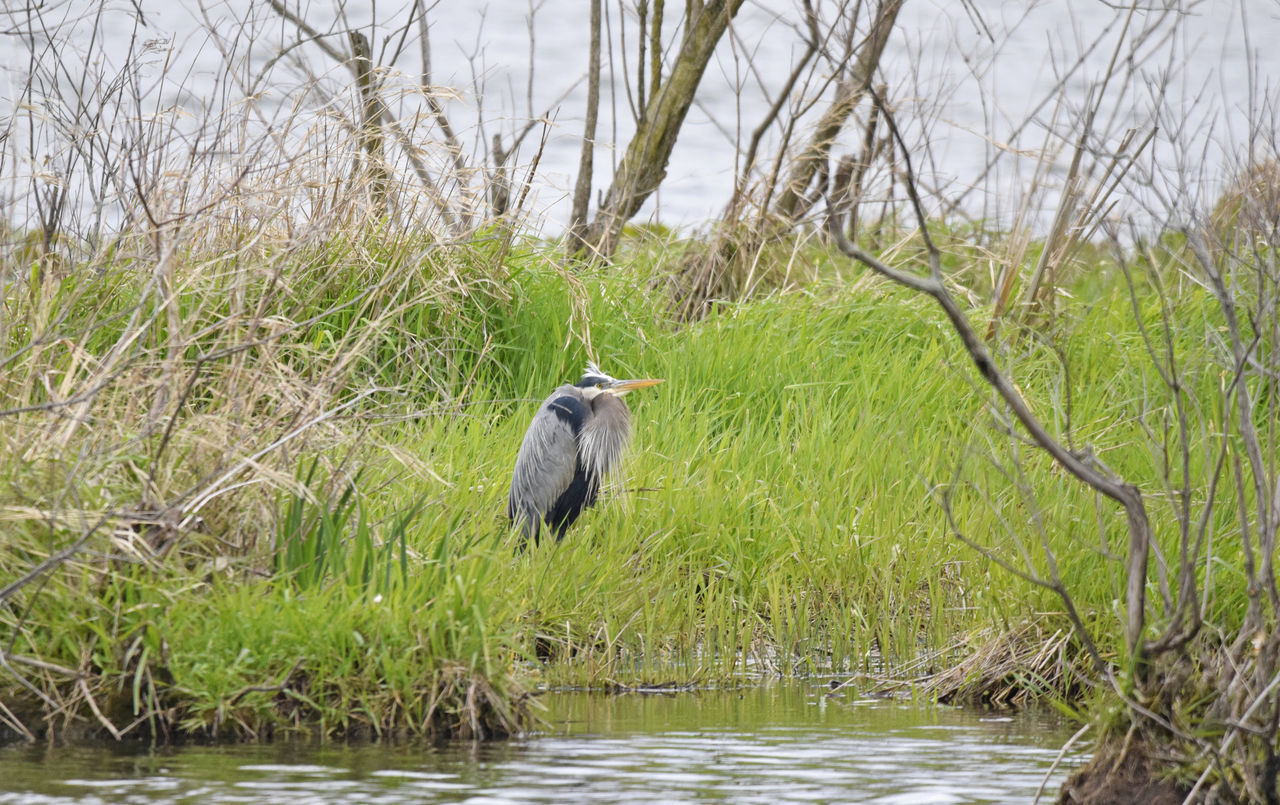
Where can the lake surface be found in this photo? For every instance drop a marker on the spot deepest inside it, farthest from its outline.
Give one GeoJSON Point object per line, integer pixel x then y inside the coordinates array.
{"type": "Point", "coordinates": [976, 87]}
{"type": "Point", "coordinates": [776, 743]}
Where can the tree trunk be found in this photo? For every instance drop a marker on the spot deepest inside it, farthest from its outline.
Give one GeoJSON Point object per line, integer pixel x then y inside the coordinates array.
{"type": "Point", "coordinates": [371, 121]}
{"type": "Point", "coordinates": [849, 93]}
{"type": "Point", "coordinates": [582, 190]}
{"type": "Point", "coordinates": [644, 165]}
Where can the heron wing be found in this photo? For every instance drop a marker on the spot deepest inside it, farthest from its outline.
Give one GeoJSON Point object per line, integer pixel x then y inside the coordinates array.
{"type": "Point", "coordinates": [547, 460]}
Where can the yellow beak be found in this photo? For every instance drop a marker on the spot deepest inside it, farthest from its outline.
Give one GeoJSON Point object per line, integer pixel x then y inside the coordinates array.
{"type": "Point", "coordinates": [623, 386]}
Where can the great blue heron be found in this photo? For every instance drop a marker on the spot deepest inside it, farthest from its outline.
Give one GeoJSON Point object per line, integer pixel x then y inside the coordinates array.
{"type": "Point", "coordinates": [574, 440]}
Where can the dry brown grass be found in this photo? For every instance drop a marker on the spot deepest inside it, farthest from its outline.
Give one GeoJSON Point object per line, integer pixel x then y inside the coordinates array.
{"type": "Point", "coordinates": [998, 667]}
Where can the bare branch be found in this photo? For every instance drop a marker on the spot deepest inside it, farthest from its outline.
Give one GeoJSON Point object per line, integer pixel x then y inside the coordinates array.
{"type": "Point", "coordinates": [1126, 494]}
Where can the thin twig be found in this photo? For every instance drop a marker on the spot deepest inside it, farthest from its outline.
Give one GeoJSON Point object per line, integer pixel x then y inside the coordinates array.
{"type": "Point", "coordinates": [1066, 747]}
{"type": "Point", "coordinates": [93, 705]}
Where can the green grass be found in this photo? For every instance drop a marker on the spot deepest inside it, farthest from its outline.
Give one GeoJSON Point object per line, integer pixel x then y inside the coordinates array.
{"type": "Point", "coordinates": [349, 567]}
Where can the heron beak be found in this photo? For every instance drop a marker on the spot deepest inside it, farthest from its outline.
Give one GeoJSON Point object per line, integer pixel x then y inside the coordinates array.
{"type": "Point", "coordinates": [620, 387]}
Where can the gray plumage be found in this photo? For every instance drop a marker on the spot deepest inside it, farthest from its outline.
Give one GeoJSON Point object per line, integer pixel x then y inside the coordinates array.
{"type": "Point", "coordinates": [575, 440]}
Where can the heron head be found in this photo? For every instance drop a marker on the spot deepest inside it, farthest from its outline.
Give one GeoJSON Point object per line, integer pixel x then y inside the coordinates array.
{"type": "Point", "coordinates": [594, 382]}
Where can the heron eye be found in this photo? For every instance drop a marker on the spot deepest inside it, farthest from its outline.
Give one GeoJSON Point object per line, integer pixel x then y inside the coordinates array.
{"type": "Point", "coordinates": [600, 385]}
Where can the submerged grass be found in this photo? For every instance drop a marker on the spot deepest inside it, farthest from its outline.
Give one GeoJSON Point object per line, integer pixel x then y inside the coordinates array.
{"type": "Point", "coordinates": [281, 492]}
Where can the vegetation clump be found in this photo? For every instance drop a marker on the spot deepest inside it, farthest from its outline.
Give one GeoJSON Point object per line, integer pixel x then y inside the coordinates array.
{"type": "Point", "coordinates": [279, 537]}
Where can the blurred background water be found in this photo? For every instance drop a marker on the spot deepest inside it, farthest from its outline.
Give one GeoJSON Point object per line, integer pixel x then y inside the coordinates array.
{"type": "Point", "coordinates": [965, 78]}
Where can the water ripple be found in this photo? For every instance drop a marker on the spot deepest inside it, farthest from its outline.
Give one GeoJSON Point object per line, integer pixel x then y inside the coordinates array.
{"type": "Point", "coordinates": [775, 745]}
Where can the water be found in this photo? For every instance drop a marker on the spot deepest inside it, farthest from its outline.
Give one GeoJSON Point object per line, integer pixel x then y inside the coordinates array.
{"type": "Point", "coordinates": [965, 77]}
{"type": "Point", "coordinates": [779, 743]}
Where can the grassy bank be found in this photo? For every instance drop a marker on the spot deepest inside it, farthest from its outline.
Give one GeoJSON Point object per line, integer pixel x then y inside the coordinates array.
{"type": "Point", "coordinates": [267, 483]}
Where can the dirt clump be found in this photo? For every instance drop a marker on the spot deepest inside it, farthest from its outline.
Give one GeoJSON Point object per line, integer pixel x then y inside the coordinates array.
{"type": "Point", "coordinates": [1122, 775]}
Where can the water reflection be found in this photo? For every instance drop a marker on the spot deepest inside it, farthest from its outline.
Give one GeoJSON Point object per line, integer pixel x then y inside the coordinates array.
{"type": "Point", "coordinates": [763, 745]}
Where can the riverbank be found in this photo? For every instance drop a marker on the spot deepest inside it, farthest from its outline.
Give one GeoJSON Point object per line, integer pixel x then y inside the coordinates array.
{"type": "Point", "coordinates": [275, 502]}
